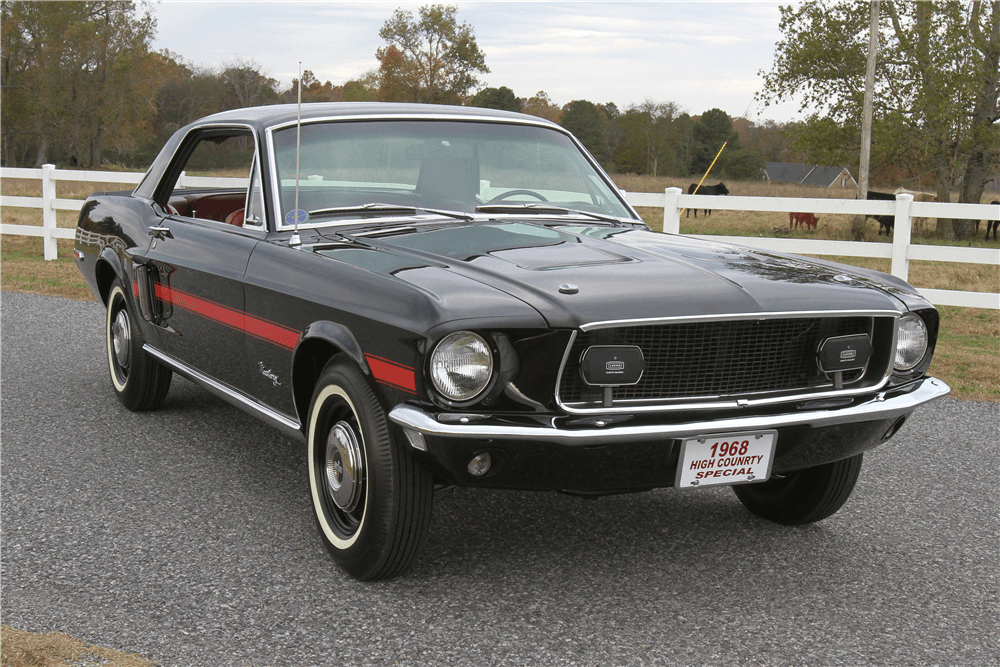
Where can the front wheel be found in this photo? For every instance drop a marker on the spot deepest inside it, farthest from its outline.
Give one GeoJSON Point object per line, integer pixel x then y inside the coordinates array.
{"type": "Point", "coordinates": [803, 496]}
{"type": "Point", "coordinates": [371, 498]}
{"type": "Point", "coordinates": [140, 382]}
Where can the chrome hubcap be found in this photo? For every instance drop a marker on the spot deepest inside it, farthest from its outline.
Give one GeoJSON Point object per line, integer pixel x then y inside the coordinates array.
{"type": "Point", "coordinates": [120, 338]}
{"type": "Point", "coordinates": [343, 467]}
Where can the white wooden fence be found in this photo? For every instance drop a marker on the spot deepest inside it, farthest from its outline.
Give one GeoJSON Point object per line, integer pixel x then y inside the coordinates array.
{"type": "Point", "coordinates": [901, 251]}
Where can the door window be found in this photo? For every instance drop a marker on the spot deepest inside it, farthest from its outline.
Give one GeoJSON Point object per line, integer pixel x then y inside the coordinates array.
{"type": "Point", "coordinates": [214, 181]}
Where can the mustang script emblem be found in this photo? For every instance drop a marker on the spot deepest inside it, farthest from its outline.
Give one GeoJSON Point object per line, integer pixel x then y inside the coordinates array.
{"type": "Point", "coordinates": [269, 374]}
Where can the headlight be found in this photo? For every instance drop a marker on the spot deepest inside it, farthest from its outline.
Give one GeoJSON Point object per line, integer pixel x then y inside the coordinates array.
{"type": "Point", "coordinates": [461, 366]}
{"type": "Point", "coordinates": [911, 342]}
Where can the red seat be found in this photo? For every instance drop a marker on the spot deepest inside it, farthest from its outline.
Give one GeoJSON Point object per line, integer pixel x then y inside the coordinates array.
{"type": "Point", "coordinates": [235, 218]}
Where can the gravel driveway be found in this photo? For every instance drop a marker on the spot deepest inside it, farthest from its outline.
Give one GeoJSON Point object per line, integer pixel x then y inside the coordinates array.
{"type": "Point", "coordinates": [186, 535]}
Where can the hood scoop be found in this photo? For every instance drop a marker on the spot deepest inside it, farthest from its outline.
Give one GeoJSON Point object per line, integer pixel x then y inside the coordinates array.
{"type": "Point", "coordinates": [568, 254]}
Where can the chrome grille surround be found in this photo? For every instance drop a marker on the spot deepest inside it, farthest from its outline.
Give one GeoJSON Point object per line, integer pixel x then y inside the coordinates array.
{"type": "Point", "coordinates": [727, 361]}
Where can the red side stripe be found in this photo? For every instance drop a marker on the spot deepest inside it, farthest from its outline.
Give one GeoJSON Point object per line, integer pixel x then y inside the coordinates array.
{"type": "Point", "coordinates": [274, 333]}
{"type": "Point", "coordinates": [259, 328]}
{"type": "Point", "coordinates": [389, 372]}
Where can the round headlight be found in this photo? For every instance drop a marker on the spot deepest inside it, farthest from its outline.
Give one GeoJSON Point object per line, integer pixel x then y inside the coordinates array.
{"type": "Point", "coordinates": [461, 366]}
{"type": "Point", "coordinates": [911, 342]}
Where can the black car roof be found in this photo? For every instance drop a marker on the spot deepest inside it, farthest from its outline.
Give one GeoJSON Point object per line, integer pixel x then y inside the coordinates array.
{"type": "Point", "coordinates": [280, 114]}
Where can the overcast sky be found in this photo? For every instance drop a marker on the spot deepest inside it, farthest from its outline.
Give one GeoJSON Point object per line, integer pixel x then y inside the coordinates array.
{"type": "Point", "coordinates": [700, 55]}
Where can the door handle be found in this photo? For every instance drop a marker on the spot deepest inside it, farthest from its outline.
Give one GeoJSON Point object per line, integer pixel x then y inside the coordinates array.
{"type": "Point", "coordinates": [160, 232]}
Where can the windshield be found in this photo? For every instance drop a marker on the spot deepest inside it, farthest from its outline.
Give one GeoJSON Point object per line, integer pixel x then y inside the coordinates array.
{"type": "Point", "coordinates": [449, 165]}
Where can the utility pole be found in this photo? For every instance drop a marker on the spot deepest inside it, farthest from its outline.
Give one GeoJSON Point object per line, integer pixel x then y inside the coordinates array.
{"type": "Point", "coordinates": [857, 226]}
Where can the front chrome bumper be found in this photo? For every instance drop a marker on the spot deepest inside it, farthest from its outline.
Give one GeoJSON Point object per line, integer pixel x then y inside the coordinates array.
{"type": "Point", "coordinates": [885, 405]}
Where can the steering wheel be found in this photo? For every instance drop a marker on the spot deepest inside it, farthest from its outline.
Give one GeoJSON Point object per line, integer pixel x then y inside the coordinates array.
{"type": "Point", "coordinates": [514, 193]}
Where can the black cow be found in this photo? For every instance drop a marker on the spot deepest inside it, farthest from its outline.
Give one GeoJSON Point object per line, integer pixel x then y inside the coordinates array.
{"type": "Point", "coordinates": [719, 189]}
{"type": "Point", "coordinates": [884, 221]}
{"type": "Point", "coordinates": [992, 224]}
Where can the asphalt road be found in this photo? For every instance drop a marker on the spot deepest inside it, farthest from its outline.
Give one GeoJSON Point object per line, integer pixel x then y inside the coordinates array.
{"type": "Point", "coordinates": [185, 535]}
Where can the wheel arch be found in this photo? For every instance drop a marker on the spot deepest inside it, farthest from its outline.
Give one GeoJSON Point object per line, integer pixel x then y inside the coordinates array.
{"type": "Point", "coordinates": [320, 342]}
{"type": "Point", "coordinates": [106, 268]}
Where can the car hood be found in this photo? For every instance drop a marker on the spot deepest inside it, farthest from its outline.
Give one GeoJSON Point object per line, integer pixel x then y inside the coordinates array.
{"type": "Point", "coordinates": [578, 274]}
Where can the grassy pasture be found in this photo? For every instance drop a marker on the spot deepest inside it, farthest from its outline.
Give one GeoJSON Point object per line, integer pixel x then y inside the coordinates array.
{"type": "Point", "coordinates": [968, 353]}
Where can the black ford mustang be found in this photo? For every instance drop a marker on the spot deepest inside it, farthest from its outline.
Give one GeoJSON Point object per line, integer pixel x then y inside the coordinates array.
{"type": "Point", "coordinates": [433, 295]}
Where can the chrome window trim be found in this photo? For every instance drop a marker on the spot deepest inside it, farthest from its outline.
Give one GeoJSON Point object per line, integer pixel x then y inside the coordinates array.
{"type": "Point", "coordinates": [541, 122]}
{"type": "Point", "coordinates": [279, 223]}
{"type": "Point", "coordinates": [254, 164]}
{"type": "Point", "coordinates": [255, 176]}
{"type": "Point", "coordinates": [717, 403]}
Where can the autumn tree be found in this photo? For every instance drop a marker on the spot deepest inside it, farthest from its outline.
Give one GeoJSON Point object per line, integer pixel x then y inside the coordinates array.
{"type": "Point", "coordinates": [248, 85]}
{"type": "Point", "coordinates": [502, 98]}
{"type": "Point", "coordinates": [185, 92]}
{"type": "Point", "coordinates": [78, 77]}
{"type": "Point", "coordinates": [313, 90]}
{"type": "Point", "coordinates": [364, 89]}
{"type": "Point", "coordinates": [430, 58]}
{"type": "Point", "coordinates": [935, 96]}
{"type": "Point", "coordinates": [772, 140]}
{"type": "Point", "coordinates": [542, 106]}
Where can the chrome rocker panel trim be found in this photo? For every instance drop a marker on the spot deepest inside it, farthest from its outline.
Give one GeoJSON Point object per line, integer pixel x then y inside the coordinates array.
{"type": "Point", "coordinates": [228, 394]}
{"type": "Point", "coordinates": [886, 405]}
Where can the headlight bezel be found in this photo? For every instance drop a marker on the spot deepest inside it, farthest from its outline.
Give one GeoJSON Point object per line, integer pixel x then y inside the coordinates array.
{"type": "Point", "coordinates": [930, 319]}
{"type": "Point", "coordinates": [436, 366]}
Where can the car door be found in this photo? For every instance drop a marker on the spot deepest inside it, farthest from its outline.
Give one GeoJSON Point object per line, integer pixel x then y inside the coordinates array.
{"type": "Point", "coordinates": [202, 240]}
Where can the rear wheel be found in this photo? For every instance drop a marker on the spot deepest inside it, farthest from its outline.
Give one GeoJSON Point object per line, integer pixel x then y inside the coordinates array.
{"type": "Point", "coordinates": [803, 496]}
{"type": "Point", "coordinates": [139, 381]}
{"type": "Point", "coordinates": [371, 498]}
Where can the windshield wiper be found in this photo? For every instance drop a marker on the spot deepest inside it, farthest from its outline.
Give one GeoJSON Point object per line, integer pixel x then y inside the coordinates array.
{"type": "Point", "coordinates": [390, 209]}
{"type": "Point", "coordinates": [542, 209]}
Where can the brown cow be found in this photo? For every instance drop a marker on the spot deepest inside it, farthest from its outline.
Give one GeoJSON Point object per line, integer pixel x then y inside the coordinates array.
{"type": "Point", "coordinates": [918, 196]}
{"type": "Point", "coordinates": [807, 220]}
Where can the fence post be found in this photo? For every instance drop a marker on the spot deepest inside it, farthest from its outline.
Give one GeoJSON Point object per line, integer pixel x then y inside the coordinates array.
{"type": "Point", "coordinates": [901, 236]}
{"type": "Point", "coordinates": [50, 248]}
{"type": "Point", "coordinates": [671, 213]}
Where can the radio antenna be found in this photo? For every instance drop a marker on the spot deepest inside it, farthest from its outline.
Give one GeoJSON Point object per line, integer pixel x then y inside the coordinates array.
{"type": "Point", "coordinates": [295, 240]}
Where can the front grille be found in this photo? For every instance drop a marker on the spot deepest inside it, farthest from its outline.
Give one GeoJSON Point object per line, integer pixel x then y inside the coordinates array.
{"type": "Point", "coordinates": [715, 360]}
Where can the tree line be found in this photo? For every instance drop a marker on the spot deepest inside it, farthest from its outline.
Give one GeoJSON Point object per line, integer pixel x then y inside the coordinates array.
{"type": "Point", "coordinates": [82, 86]}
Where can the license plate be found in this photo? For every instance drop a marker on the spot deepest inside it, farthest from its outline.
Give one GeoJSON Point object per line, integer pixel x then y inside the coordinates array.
{"type": "Point", "coordinates": [733, 458]}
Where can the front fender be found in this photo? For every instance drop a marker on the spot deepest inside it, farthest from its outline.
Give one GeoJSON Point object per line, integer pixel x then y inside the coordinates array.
{"type": "Point", "coordinates": [319, 342]}
{"type": "Point", "coordinates": [340, 337]}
